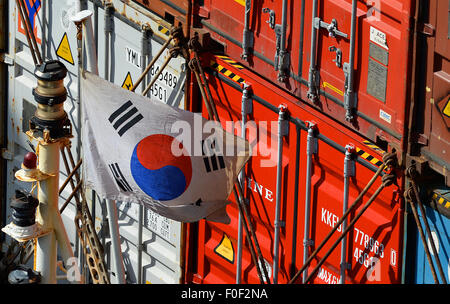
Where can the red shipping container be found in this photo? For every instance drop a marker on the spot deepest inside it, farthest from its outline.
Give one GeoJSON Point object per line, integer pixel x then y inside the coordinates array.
{"type": "Point", "coordinates": [318, 39]}
{"type": "Point", "coordinates": [374, 245]}
{"type": "Point", "coordinates": [430, 120]}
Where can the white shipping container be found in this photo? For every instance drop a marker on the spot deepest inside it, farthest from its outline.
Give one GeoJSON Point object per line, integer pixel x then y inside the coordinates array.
{"type": "Point", "coordinates": [127, 37]}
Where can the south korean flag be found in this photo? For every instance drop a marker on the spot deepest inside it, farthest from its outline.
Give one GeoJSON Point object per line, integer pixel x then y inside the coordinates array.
{"type": "Point", "coordinates": [177, 163]}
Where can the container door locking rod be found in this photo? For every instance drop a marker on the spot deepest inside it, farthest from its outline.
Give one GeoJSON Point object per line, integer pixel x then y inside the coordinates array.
{"type": "Point", "coordinates": [389, 160]}
{"type": "Point", "coordinates": [412, 195]}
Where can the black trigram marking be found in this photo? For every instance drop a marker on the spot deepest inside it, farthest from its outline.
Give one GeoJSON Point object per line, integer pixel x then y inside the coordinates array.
{"type": "Point", "coordinates": [118, 176]}
{"type": "Point", "coordinates": [213, 162]}
{"type": "Point", "coordinates": [124, 116]}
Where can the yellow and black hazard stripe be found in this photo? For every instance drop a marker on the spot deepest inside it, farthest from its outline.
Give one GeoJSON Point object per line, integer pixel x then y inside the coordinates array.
{"type": "Point", "coordinates": [226, 72]}
{"type": "Point", "coordinates": [373, 147]}
{"type": "Point", "coordinates": [231, 62]}
{"type": "Point", "coordinates": [441, 200]}
{"type": "Point", "coordinates": [164, 30]}
{"type": "Point", "coordinates": [370, 158]}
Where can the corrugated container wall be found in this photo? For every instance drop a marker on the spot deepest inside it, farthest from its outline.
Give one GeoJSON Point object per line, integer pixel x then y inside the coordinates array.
{"type": "Point", "coordinates": [430, 119]}
{"type": "Point", "coordinates": [308, 195]}
{"type": "Point", "coordinates": [127, 37]}
{"type": "Point", "coordinates": [350, 59]}
{"type": "Point", "coordinates": [384, 63]}
{"type": "Point", "coordinates": [439, 226]}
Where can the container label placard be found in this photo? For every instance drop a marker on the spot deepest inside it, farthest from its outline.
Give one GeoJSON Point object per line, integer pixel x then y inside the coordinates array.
{"type": "Point", "coordinates": [159, 224]}
{"type": "Point", "coordinates": [133, 57]}
{"type": "Point", "coordinates": [378, 37]}
{"type": "Point", "coordinates": [377, 80]}
{"type": "Point", "coordinates": [385, 116]}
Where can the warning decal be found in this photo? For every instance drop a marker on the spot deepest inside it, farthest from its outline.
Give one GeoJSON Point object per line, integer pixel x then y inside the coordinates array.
{"type": "Point", "coordinates": [128, 82]}
{"type": "Point", "coordinates": [225, 249]}
{"type": "Point", "coordinates": [444, 108]}
{"type": "Point", "coordinates": [64, 51]}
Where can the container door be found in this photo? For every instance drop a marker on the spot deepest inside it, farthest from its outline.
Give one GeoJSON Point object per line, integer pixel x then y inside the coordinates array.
{"type": "Point", "coordinates": [381, 54]}
{"type": "Point", "coordinates": [373, 248]}
{"type": "Point", "coordinates": [437, 90]}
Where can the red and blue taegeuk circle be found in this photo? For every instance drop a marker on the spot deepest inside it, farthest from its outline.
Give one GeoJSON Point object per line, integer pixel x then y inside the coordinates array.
{"type": "Point", "coordinates": [160, 174]}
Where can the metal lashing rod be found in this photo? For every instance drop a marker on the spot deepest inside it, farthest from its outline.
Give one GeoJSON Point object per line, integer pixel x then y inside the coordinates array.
{"type": "Point", "coordinates": [427, 228]}
{"type": "Point", "coordinates": [241, 202]}
{"type": "Point", "coordinates": [253, 235]}
{"type": "Point", "coordinates": [173, 54]}
{"type": "Point", "coordinates": [311, 148]}
{"type": "Point", "coordinates": [150, 65]}
{"type": "Point", "coordinates": [422, 236]}
{"type": "Point", "coordinates": [69, 177]}
{"type": "Point", "coordinates": [387, 180]}
{"type": "Point", "coordinates": [31, 33]}
{"type": "Point", "coordinates": [25, 26]}
{"type": "Point", "coordinates": [194, 67]}
{"type": "Point", "coordinates": [71, 195]}
{"type": "Point", "coordinates": [70, 173]}
{"type": "Point", "coordinates": [412, 192]}
{"type": "Point", "coordinates": [344, 216]}
{"type": "Point", "coordinates": [349, 171]}
{"type": "Point", "coordinates": [203, 77]}
{"type": "Point", "coordinates": [282, 131]}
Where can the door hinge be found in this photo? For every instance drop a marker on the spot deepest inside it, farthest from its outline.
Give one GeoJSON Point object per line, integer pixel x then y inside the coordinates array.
{"type": "Point", "coordinates": [6, 58]}
{"type": "Point", "coordinates": [419, 138]}
{"type": "Point", "coordinates": [426, 29]}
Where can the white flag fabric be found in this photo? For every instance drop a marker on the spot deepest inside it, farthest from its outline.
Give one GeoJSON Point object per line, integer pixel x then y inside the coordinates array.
{"type": "Point", "coordinates": [175, 162]}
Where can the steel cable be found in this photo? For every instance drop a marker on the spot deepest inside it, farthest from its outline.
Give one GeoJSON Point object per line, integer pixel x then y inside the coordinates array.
{"type": "Point", "coordinates": [411, 195]}
{"type": "Point", "coordinates": [27, 34]}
